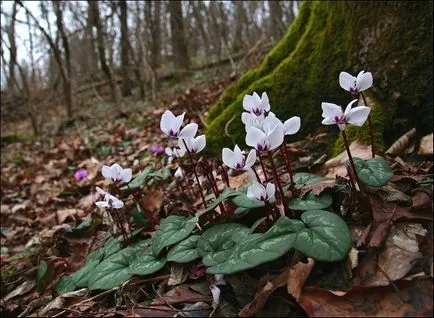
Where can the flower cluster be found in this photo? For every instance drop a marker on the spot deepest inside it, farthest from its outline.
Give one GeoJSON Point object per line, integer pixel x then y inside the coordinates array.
{"type": "Point", "coordinates": [118, 175]}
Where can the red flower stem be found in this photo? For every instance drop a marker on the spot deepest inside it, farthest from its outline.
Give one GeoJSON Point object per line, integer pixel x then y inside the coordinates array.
{"type": "Point", "coordinates": [279, 185]}
{"type": "Point", "coordinates": [353, 167]}
{"type": "Point", "coordinates": [212, 181]}
{"type": "Point", "coordinates": [257, 175]}
{"type": "Point", "coordinates": [262, 165]}
{"type": "Point", "coordinates": [195, 174]}
{"type": "Point", "coordinates": [118, 222]}
{"type": "Point", "coordinates": [224, 174]}
{"type": "Point", "coordinates": [187, 181]}
{"type": "Point", "coordinates": [288, 164]}
{"type": "Point", "coordinates": [371, 128]}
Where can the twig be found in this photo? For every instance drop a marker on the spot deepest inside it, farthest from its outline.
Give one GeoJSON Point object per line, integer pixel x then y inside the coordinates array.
{"type": "Point", "coordinates": [165, 301]}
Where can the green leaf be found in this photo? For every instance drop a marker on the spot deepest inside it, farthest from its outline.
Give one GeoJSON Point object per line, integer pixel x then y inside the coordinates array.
{"type": "Point", "coordinates": [311, 202]}
{"type": "Point", "coordinates": [227, 193]}
{"type": "Point", "coordinates": [42, 273]}
{"type": "Point", "coordinates": [216, 243]}
{"type": "Point", "coordinates": [304, 178]}
{"type": "Point", "coordinates": [172, 229]}
{"type": "Point", "coordinates": [185, 251]}
{"type": "Point", "coordinates": [112, 271]}
{"type": "Point", "coordinates": [240, 210]}
{"type": "Point", "coordinates": [243, 201]}
{"type": "Point", "coordinates": [373, 172]}
{"type": "Point", "coordinates": [325, 238]}
{"type": "Point", "coordinates": [140, 180]}
{"type": "Point", "coordinates": [65, 285]}
{"type": "Point", "coordinates": [146, 264]}
{"type": "Point", "coordinates": [259, 248]}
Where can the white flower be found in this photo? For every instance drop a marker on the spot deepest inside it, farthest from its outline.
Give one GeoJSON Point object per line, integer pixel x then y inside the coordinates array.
{"type": "Point", "coordinates": [179, 174]}
{"type": "Point", "coordinates": [251, 120]}
{"type": "Point", "coordinates": [171, 126]}
{"type": "Point", "coordinates": [292, 125]}
{"type": "Point", "coordinates": [194, 145]}
{"type": "Point", "coordinates": [116, 173]}
{"type": "Point", "coordinates": [110, 201]}
{"type": "Point", "coordinates": [175, 152]}
{"type": "Point", "coordinates": [268, 139]}
{"type": "Point", "coordinates": [258, 192]}
{"type": "Point", "coordinates": [358, 84]}
{"type": "Point", "coordinates": [333, 114]}
{"type": "Point", "coordinates": [237, 160]}
{"type": "Point", "coordinates": [255, 104]}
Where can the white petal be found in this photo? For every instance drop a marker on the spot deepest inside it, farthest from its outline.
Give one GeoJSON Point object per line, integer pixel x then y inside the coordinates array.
{"type": "Point", "coordinates": [168, 151]}
{"type": "Point", "coordinates": [292, 125]}
{"type": "Point", "coordinates": [365, 82]}
{"type": "Point", "coordinates": [256, 191]}
{"type": "Point", "coordinates": [254, 137]}
{"type": "Point", "coordinates": [166, 121]}
{"type": "Point", "coordinates": [276, 137]}
{"type": "Point", "coordinates": [178, 122]}
{"type": "Point", "coordinates": [245, 118]}
{"type": "Point", "coordinates": [270, 122]}
{"type": "Point", "coordinates": [106, 172]}
{"type": "Point", "coordinates": [126, 175]}
{"type": "Point", "coordinates": [349, 106]}
{"type": "Point", "coordinates": [215, 291]}
{"type": "Point", "coordinates": [238, 156]}
{"type": "Point", "coordinates": [117, 204]}
{"type": "Point", "coordinates": [228, 157]}
{"type": "Point", "coordinates": [271, 190]}
{"type": "Point", "coordinates": [200, 143]}
{"type": "Point", "coordinates": [178, 173]}
{"type": "Point", "coordinates": [189, 131]}
{"type": "Point", "coordinates": [358, 115]}
{"type": "Point", "coordinates": [346, 80]}
{"type": "Point", "coordinates": [331, 110]}
{"type": "Point", "coordinates": [251, 159]}
{"type": "Point", "coordinates": [181, 144]}
{"type": "Point", "coordinates": [180, 152]}
{"type": "Point", "coordinates": [102, 204]}
{"type": "Point", "coordinates": [265, 102]}
{"type": "Point", "coordinates": [249, 102]}
{"type": "Point", "coordinates": [100, 191]}
{"type": "Point", "coordinates": [116, 171]}
{"type": "Point", "coordinates": [328, 121]}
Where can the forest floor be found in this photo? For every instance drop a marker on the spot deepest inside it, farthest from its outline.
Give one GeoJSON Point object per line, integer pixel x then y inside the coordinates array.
{"type": "Point", "coordinates": [48, 216]}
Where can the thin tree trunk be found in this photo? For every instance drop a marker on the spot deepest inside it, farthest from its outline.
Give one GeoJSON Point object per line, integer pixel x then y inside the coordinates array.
{"type": "Point", "coordinates": [277, 28]}
{"type": "Point", "coordinates": [125, 46]}
{"type": "Point", "coordinates": [179, 47]}
{"type": "Point", "coordinates": [13, 49]}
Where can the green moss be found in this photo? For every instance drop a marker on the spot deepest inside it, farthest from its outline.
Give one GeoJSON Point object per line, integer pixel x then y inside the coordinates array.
{"type": "Point", "coordinates": [9, 138]}
{"type": "Point", "coordinates": [391, 39]}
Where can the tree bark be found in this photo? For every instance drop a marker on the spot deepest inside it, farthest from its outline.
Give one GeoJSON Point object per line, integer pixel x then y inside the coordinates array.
{"type": "Point", "coordinates": [179, 47]}
{"type": "Point", "coordinates": [277, 28]}
{"type": "Point", "coordinates": [125, 46]}
{"type": "Point", "coordinates": [13, 49]}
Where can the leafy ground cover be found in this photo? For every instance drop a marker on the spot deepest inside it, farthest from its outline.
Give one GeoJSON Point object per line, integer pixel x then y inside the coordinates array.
{"type": "Point", "coordinates": [59, 257]}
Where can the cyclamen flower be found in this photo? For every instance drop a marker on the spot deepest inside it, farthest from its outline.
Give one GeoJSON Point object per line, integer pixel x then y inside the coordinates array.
{"type": "Point", "coordinates": [179, 174]}
{"type": "Point", "coordinates": [268, 139]}
{"type": "Point", "coordinates": [116, 173]}
{"type": "Point", "coordinates": [333, 114]}
{"type": "Point", "coordinates": [256, 105]}
{"type": "Point", "coordinates": [175, 152]}
{"type": "Point", "coordinates": [80, 174]}
{"type": "Point", "coordinates": [251, 120]}
{"type": "Point", "coordinates": [290, 127]}
{"type": "Point", "coordinates": [110, 201]}
{"type": "Point", "coordinates": [157, 149]}
{"type": "Point", "coordinates": [258, 192]}
{"type": "Point", "coordinates": [237, 160]}
{"type": "Point", "coordinates": [358, 84]}
{"type": "Point", "coordinates": [171, 126]}
{"type": "Point", "coordinates": [194, 145]}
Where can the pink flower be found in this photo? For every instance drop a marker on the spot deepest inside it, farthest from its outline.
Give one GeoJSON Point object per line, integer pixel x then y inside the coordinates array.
{"type": "Point", "coordinates": [80, 174]}
{"type": "Point", "coordinates": [157, 149]}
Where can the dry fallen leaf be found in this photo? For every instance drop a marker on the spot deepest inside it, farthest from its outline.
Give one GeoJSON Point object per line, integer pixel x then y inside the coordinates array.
{"type": "Point", "coordinates": [297, 277]}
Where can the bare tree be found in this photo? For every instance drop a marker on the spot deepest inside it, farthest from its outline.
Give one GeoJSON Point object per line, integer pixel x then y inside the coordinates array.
{"type": "Point", "coordinates": [179, 47]}
{"type": "Point", "coordinates": [153, 24]}
{"type": "Point", "coordinates": [125, 47]}
{"type": "Point", "coordinates": [277, 28]}
{"type": "Point", "coordinates": [241, 23]}
{"type": "Point", "coordinates": [13, 49]}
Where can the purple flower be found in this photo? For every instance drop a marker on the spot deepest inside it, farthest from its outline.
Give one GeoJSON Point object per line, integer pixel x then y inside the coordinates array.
{"type": "Point", "coordinates": [80, 174]}
{"type": "Point", "coordinates": [157, 149]}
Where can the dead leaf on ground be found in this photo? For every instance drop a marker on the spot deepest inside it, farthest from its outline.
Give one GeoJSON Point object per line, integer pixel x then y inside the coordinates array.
{"type": "Point", "coordinates": [318, 188]}
{"type": "Point", "coordinates": [412, 299]}
{"type": "Point", "coordinates": [152, 201]}
{"type": "Point", "coordinates": [63, 300]}
{"type": "Point", "coordinates": [297, 277]}
{"type": "Point", "coordinates": [180, 294]}
{"type": "Point", "coordinates": [24, 288]}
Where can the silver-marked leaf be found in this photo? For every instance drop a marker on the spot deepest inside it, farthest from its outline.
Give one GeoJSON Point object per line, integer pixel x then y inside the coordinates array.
{"type": "Point", "coordinates": [172, 229]}
{"type": "Point", "coordinates": [112, 271]}
{"type": "Point", "coordinates": [259, 248]}
{"type": "Point", "coordinates": [243, 201]}
{"type": "Point", "coordinates": [146, 264]}
{"type": "Point", "coordinates": [373, 172]}
{"type": "Point", "coordinates": [304, 178]}
{"type": "Point", "coordinates": [227, 193]}
{"type": "Point", "coordinates": [311, 202]}
{"type": "Point", "coordinates": [185, 251]}
{"type": "Point", "coordinates": [216, 243]}
{"type": "Point", "coordinates": [325, 238]}
{"type": "Point", "coordinates": [65, 285]}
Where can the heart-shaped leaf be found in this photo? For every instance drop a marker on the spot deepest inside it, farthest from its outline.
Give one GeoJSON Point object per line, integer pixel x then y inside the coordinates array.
{"type": "Point", "coordinates": [259, 248]}
{"type": "Point", "coordinates": [146, 264]}
{"type": "Point", "coordinates": [227, 193]}
{"type": "Point", "coordinates": [243, 201]}
{"type": "Point", "coordinates": [373, 172]}
{"type": "Point", "coordinates": [140, 180]}
{"type": "Point", "coordinates": [304, 178]}
{"type": "Point", "coordinates": [172, 229]}
{"type": "Point", "coordinates": [65, 285]}
{"type": "Point", "coordinates": [185, 251]}
{"type": "Point", "coordinates": [112, 271]}
{"type": "Point", "coordinates": [311, 202]}
{"type": "Point", "coordinates": [216, 243]}
{"type": "Point", "coordinates": [325, 238]}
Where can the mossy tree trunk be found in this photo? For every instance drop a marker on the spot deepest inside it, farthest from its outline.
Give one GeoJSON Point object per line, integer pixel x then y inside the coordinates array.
{"type": "Point", "coordinates": [391, 39]}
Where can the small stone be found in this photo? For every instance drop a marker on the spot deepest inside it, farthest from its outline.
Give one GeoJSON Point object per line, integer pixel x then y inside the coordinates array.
{"type": "Point", "coordinates": [426, 146]}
